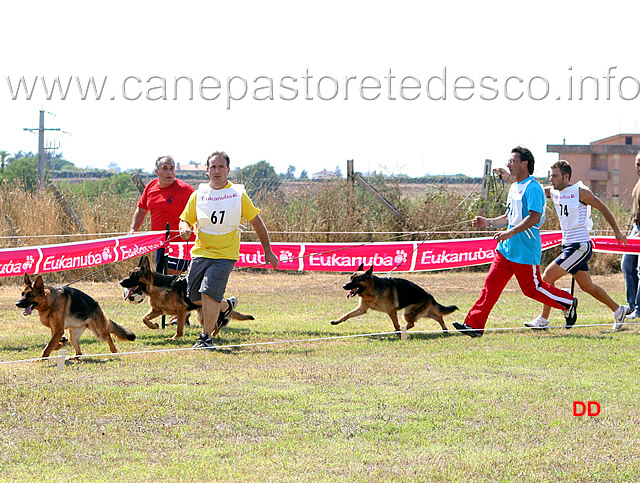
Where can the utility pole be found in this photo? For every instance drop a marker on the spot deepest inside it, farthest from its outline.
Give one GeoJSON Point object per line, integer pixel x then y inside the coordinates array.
{"type": "Point", "coordinates": [41, 150]}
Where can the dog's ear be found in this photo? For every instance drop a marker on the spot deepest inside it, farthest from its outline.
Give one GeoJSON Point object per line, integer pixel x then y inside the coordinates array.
{"type": "Point", "coordinates": [27, 280]}
{"type": "Point", "coordinates": [369, 272]}
{"type": "Point", "coordinates": [144, 264]}
{"type": "Point", "coordinates": [361, 267]}
{"type": "Point", "coordinates": [39, 284]}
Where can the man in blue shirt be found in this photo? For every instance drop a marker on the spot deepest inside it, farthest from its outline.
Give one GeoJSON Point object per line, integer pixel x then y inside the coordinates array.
{"type": "Point", "coordinates": [519, 249]}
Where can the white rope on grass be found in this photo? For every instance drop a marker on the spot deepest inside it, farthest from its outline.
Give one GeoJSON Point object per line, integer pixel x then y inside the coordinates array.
{"type": "Point", "coordinates": [538, 329]}
{"type": "Point", "coordinates": [230, 346]}
{"type": "Point", "coordinates": [292, 341]}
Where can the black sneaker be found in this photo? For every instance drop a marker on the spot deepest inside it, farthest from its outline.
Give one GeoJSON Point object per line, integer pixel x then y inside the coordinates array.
{"type": "Point", "coordinates": [204, 342]}
{"type": "Point", "coordinates": [225, 317]}
{"type": "Point", "coordinates": [465, 329]}
{"type": "Point", "coordinates": [571, 314]}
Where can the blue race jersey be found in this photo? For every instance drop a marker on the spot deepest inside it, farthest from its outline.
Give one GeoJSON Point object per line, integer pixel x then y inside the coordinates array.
{"type": "Point", "coordinates": [524, 247]}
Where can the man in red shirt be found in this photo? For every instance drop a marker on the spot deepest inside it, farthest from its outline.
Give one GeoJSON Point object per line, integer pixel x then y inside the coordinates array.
{"type": "Point", "coordinates": [165, 198]}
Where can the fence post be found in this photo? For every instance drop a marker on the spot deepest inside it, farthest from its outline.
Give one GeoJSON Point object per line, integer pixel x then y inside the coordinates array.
{"type": "Point", "coordinates": [135, 177]}
{"type": "Point", "coordinates": [13, 240]}
{"type": "Point", "coordinates": [67, 208]}
{"type": "Point", "coordinates": [485, 179]}
{"type": "Point", "coordinates": [378, 196]}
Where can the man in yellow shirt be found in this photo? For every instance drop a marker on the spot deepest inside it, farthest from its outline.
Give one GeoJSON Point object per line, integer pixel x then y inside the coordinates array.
{"type": "Point", "coordinates": [216, 209]}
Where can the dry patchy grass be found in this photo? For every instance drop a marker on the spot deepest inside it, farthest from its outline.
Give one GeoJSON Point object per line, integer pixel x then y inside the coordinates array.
{"type": "Point", "coordinates": [360, 409]}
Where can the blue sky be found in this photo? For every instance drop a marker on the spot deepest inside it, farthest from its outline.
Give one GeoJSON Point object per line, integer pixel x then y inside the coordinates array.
{"type": "Point", "coordinates": [345, 79]}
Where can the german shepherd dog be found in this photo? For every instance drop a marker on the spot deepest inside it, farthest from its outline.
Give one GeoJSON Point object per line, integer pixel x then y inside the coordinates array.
{"type": "Point", "coordinates": [167, 295]}
{"type": "Point", "coordinates": [389, 295]}
{"type": "Point", "coordinates": [63, 308]}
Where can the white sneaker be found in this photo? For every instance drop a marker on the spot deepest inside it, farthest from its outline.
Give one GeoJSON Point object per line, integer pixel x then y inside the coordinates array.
{"type": "Point", "coordinates": [538, 323]}
{"type": "Point", "coordinates": [618, 320]}
{"type": "Point", "coordinates": [633, 315]}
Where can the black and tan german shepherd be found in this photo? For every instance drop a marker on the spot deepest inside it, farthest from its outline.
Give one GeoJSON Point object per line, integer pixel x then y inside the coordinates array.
{"type": "Point", "coordinates": [167, 295]}
{"type": "Point", "coordinates": [389, 295]}
{"type": "Point", "coordinates": [63, 308]}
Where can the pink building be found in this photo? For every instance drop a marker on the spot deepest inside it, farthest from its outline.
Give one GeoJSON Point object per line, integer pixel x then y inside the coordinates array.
{"type": "Point", "coordinates": [606, 166]}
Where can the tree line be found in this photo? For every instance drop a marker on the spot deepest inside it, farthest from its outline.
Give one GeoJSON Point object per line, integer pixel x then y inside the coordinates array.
{"type": "Point", "coordinates": [20, 169]}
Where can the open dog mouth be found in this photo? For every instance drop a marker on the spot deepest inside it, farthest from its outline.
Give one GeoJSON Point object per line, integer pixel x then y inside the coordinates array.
{"type": "Point", "coordinates": [28, 309]}
{"type": "Point", "coordinates": [353, 292]}
{"type": "Point", "coordinates": [130, 291]}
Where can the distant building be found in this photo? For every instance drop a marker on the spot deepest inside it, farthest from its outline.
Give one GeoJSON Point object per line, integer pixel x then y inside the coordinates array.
{"type": "Point", "coordinates": [606, 166]}
{"type": "Point", "coordinates": [191, 167]}
{"type": "Point", "coordinates": [324, 174]}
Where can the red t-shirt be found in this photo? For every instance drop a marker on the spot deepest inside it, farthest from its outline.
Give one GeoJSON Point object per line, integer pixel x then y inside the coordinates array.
{"type": "Point", "coordinates": [165, 204]}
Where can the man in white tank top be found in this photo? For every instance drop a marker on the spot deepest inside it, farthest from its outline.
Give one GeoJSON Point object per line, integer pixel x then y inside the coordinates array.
{"type": "Point", "coordinates": [573, 204]}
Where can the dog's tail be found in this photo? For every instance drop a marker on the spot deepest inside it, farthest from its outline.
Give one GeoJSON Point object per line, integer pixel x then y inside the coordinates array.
{"type": "Point", "coordinates": [240, 316]}
{"type": "Point", "coordinates": [445, 309]}
{"type": "Point", "coordinates": [120, 332]}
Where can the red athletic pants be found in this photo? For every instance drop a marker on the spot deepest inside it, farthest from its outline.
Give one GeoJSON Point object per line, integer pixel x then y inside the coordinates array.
{"type": "Point", "coordinates": [532, 286]}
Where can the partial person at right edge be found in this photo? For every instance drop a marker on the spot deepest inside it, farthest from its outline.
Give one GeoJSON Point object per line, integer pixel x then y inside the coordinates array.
{"type": "Point", "coordinates": [630, 268]}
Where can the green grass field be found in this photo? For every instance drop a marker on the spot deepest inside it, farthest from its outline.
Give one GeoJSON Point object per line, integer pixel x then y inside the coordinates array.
{"type": "Point", "coordinates": [433, 407]}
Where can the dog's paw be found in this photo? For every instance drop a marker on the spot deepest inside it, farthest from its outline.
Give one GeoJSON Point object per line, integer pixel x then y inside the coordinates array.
{"type": "Point", "coordinates": [61, 343]}
{"type": "Point", "coordinates": [175, 337]}
{"type": "Point", "coordinates": [151, 325]}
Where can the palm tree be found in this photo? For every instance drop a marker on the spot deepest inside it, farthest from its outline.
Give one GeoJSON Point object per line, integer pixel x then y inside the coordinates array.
{"type": "Point", "coordinates": [3, 155]}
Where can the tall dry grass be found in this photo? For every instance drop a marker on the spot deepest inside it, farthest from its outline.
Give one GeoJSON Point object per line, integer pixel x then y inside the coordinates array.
{"type": "Point", "coordinates": [329, 211]}
{"type": "Point", "coordinates": [36, 218]}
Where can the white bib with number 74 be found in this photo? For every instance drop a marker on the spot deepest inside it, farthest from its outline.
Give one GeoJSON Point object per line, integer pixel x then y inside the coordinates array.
{"type": "Point", "coordinates": [219, 211]}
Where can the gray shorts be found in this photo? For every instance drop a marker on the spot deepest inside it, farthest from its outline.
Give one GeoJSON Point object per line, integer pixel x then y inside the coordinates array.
{"type": "Point", "coordinates": [209, 276]}
{"type": "Point", "coordinates": [575, 257]}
